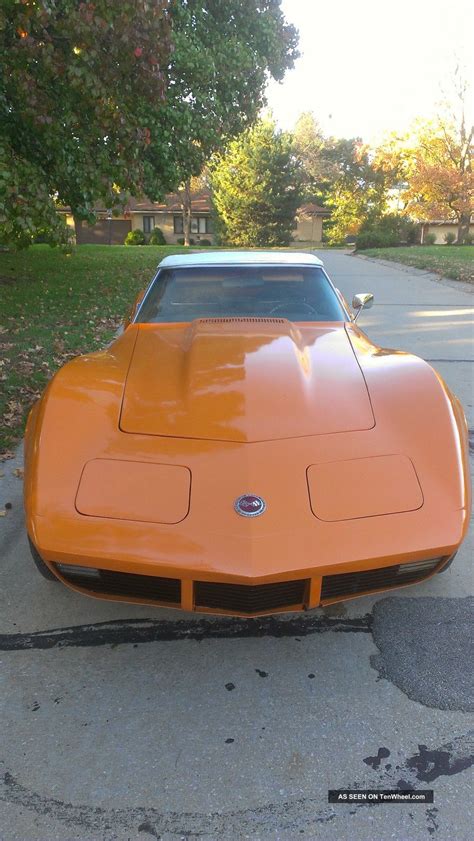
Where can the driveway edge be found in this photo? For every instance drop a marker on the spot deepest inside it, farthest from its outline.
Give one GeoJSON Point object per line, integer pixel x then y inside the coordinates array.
{"type": "Point", "coordinates": [404, 267]}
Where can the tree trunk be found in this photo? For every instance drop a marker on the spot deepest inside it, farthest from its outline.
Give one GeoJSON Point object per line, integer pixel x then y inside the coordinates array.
{"type": "Point", "coordinates": [463, 227]}
{"type": "Point", "coordinates": [187, 212]}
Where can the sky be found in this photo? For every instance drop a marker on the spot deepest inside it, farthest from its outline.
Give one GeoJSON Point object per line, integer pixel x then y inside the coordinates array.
{"type": "Point", "coordinates": [369, 67]}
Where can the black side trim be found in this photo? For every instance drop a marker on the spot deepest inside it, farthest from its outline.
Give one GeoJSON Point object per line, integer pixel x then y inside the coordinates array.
{"type": "Point", "coordinates": [107, 582]}
{"type": "Point", "coordinates": [351, 583]}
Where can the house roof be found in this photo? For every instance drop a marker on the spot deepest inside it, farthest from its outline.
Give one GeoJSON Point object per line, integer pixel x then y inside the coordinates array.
{"type": "Point", "coordinates": [200, 203]}
{"type": "Point", "coordinates": [443, 221]}
{"type": "Point", "coordinates": [312, 209]}
{"type": "Point", "coordinates": [232, 258]}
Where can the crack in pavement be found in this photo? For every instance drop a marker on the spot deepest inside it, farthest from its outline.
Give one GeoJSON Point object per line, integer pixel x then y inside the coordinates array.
{"type": "Point", "coordinates": [423, 643]}
{"type": "Point", "coordinates": [134, 631]}
{"type": "Point", "coordinates": [448, 759]}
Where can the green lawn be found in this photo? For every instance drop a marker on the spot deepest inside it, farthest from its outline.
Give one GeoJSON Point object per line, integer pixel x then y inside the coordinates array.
{"type": "Point", "coordinates": [54, 307]}
{"type": "Point", "coordinates": [448, 260]}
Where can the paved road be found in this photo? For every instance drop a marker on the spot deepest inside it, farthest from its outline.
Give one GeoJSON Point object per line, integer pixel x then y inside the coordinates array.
{"type": "Point", "coordinates": [164, 725]}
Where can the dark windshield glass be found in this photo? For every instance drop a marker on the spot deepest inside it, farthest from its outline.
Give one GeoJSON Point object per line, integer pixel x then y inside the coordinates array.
{"type": "Point", "coordinates": [300, 293]}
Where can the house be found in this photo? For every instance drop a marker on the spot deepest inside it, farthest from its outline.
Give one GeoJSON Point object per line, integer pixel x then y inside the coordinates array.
{"type": "Point", "coordinates": [309, 224]}
{"type": "Point", "coordinates": [145, 215]}
{"type": "Point", "coordinates": [440, 228]}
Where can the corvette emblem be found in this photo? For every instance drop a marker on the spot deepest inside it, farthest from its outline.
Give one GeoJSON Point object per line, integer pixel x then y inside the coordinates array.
{"type": "Point", "coordinates": [250, 505]}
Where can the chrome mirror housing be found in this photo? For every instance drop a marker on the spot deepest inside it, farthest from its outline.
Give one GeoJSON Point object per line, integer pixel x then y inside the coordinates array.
{"type": "Point", "coordinates": [364, 300]}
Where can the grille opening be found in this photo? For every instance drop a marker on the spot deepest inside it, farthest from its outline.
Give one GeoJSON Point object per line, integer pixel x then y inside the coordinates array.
{"type": "Point", "coordinates": [150, 587]}
{"type": "Point", "coordinates": [242, 319]}
{"type": "Point", "coordinates": [351, 583]}
{"type": "Point", "coordinates": [249, 599]}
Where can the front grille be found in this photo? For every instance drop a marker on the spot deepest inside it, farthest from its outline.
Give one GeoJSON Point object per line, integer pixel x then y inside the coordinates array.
{"type": "Point", "coordinates": [107, 582]}
{"type": "Point", "coordinates": [253, 319]}
{"type": "Point", "coordinates": [351, 583]}
{"type": "Point", "coordinates": [249, 599]}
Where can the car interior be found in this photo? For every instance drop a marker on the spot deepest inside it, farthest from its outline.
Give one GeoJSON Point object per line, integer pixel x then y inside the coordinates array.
{"type": "Point", "coordinates": [184, 294]}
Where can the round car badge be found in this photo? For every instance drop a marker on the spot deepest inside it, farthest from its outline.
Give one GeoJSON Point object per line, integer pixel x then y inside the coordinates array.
{"type": "Point", "coordinates": [250, 505]}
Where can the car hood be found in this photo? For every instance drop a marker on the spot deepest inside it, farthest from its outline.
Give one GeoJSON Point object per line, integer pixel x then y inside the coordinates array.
{"type": "Point", "coordinates": [244, 380]}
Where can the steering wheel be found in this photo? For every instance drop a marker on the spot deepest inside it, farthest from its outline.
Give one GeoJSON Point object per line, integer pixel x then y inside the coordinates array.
{"type": "Point", "coordinates": [296, 306]}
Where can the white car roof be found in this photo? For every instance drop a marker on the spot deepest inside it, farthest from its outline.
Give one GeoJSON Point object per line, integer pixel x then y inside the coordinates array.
{"type": "Point", "coordinates": [235, 258]}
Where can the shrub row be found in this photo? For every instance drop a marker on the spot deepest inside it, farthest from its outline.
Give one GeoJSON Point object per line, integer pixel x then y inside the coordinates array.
{"type": "Point", "coordinates": [392, 230]}
{"type": "Point", "coordinates": [137, 237]}
{"type": "Point", "coordinates": [385, 232]}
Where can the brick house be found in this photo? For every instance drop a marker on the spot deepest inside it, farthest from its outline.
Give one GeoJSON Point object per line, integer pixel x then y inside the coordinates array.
{"type": "Point", "coordinates": [145, 215]}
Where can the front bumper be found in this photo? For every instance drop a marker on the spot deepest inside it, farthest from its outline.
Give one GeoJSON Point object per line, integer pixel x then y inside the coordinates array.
{"type": "Point", "coordinates": [243, 599]}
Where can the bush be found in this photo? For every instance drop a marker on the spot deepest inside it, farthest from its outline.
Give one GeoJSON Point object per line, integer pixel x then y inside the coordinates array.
{"type": "Point", "coordinates": [469, 239]}
{"type": "Point", "coordinates": [449, 238]}
{"type": "Point", "coordinates": [376, 239]}
{"type": "Point", "coordinates": [430, 239]}
{"type": "Point", "coordinates": [136, 237]}
{"type": "Point", "coordinates": [411, 233]}
{"type": "Point", "coordinates": [180, 241]}
{"type": "Point", "coordinates": [156, 237]}
{"type": "Point", "coordinates": [386, 231]}
{"type": "Point", "coordinates": [205, 242]}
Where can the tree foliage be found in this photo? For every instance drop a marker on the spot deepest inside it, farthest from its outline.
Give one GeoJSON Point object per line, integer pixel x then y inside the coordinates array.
{"type": "Point", "coordinates": [342, 175]}
{"type": "Point", "coordinates": [256, 188]}
{"type": "Point", "coordinates": [359, 191]}
{"type": "Point", "coordinates": [78, 83]}
{"type": "Point", "coordinates": [309, 146]}
{"type": "Point", "coordinates": [440, 183]}
{"type": "Point", "coordinates": [386, 231]}
{"type": "Point", "coordinates": [100, 99]}
{"type": "Point", "coordinates": [223, 56]}
{"type": "Point", "coordinates": [435, 164]}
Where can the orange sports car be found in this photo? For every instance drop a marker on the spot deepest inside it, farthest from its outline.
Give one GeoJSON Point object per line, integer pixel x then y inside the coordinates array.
{"type": "Point", "coordinates": [243, 448]}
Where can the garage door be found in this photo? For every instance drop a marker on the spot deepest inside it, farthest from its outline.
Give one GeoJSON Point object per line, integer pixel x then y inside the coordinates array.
{"type": "Point", "coordinates": [104, 232]}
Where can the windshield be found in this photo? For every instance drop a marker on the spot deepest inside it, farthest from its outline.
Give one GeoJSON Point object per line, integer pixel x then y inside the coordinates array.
{"type": "Point", "coordinates": [300, 293]}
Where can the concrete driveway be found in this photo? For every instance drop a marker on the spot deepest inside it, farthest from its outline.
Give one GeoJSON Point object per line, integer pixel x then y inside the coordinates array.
{"type": "Point", "coordinates": [122, 722]}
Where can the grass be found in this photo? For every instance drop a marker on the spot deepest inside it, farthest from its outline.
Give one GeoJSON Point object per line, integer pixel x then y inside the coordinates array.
{"type": "Point", "coordinates": [456, 261]}
{"type": "Point", "coordinates": [53, 307]}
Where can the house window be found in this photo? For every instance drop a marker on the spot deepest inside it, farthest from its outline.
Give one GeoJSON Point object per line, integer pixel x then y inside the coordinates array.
{"type": "Point", "coordinates": [178, 225]}
{"type": "Point", "coordinates": [200, 225]}
{"type": "Point", "coordinates": [148, 224]}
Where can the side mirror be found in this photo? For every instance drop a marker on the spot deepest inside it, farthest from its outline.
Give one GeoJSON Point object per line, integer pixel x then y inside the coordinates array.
{"type": "Point", "coordinates": [364, 300]}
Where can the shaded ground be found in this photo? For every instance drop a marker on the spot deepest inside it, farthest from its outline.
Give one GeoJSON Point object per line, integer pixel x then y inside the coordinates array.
{"type": "Point", "coordinates": [448, 260]}
{"type": "Point", "coordinates": [56, 306]}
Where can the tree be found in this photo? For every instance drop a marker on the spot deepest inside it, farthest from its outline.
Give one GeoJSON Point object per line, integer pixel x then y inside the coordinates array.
{"type": "Point", "coordinates": [186, 190]}
{"type": "Point", "coordinates": [256, 187]}
{"type": "Point", "coordinates": [309, 146]}
{"type": "Point", "coordinates": [435, 165]}
{"type": "Point", "coordinates": [79, 84]}
{"type": "Point", "coordinates": [358, 189]}
{"type": "Point", "coordinates": [103, 99]}
{"type": "Point", "coordinates": [343, 175]}
{"type": "Point", "coordinates": [223, 55]}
